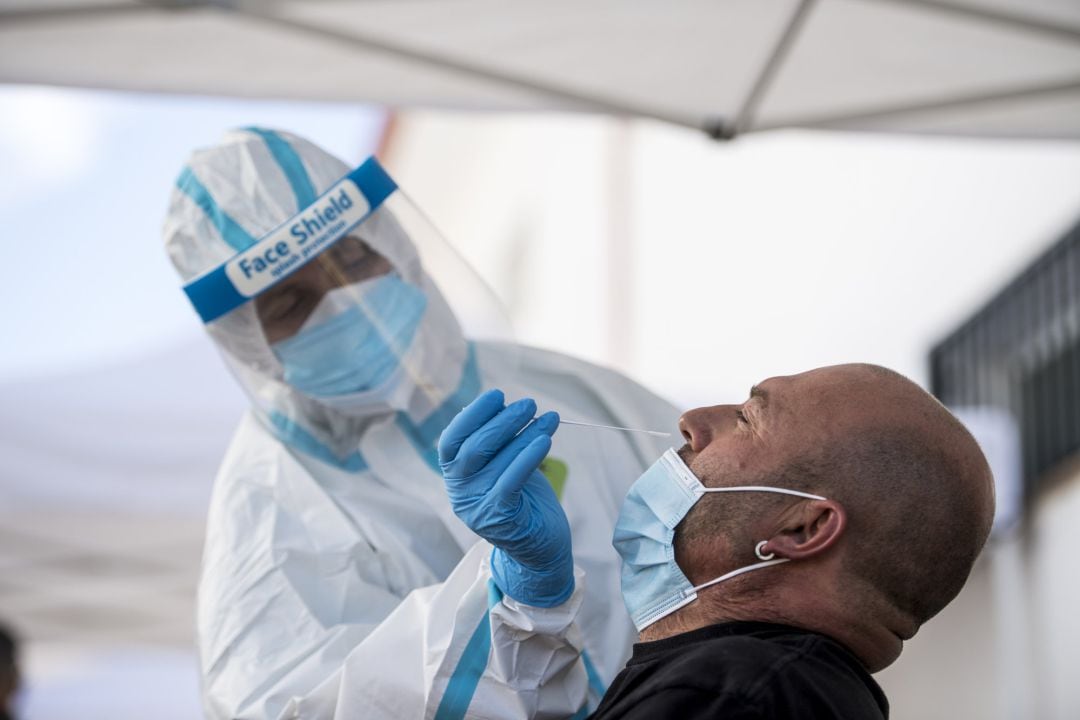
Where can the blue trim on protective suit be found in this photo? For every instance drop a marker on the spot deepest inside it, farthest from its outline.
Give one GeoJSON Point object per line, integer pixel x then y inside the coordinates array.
{"type": "Point", "coordinates": [425, 436]}
{"type": "Point", "coordinates": [462, 684]}
{"type": "Point", "coordinates": [291, 164]}
{"type": "Point", "coordinates": [296, 436]}
{"type": "Point", "coordinates": [595, 681]}
{"type": "Point", "coordinates": [495, 595]}
{"type": "Point", "coordinates": [236, 236]}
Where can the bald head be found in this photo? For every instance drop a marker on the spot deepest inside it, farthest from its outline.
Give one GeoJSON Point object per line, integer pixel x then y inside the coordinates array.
{"type": "Point", "coordinates": [916, 486]}
{"type": "Point", "coordinates": [909, 500]}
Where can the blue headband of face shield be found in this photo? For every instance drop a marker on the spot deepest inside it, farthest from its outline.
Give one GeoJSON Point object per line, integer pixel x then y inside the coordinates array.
{"type": "Point", "coordinates": [297, 241]}
{"type": "Point", "coordinates": [653, 585]}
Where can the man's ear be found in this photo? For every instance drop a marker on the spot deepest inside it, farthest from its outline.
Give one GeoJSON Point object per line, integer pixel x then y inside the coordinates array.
{"type": "Point", "coordinates": [807, 530]}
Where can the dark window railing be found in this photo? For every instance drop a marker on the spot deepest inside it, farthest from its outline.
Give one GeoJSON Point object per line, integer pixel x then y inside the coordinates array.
{"type": "Point", "coordinates": [1021, 352]}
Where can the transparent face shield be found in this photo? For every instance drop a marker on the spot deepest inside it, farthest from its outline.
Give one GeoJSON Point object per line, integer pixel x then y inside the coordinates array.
{"type": "Point", "coordinates": [354, 307]}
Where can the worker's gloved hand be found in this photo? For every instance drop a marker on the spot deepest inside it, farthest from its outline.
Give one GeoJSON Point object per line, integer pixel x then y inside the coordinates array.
{"type": "Point", "coordinates": [489, 455]}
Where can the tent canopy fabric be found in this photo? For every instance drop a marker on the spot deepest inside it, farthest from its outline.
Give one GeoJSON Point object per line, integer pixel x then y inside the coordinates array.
{"type": "Point", "coordinates": [996, 68]}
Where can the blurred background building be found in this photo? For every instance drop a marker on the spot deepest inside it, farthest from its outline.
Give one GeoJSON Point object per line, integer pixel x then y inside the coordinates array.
{"type": "Point", "coordinates": [1012, 372]}
{"type": "Point", "coordinates": [623, 234]}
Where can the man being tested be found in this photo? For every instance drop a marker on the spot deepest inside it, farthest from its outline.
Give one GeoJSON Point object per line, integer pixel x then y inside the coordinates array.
{"type": "Point", "coordinates": [783, 554]}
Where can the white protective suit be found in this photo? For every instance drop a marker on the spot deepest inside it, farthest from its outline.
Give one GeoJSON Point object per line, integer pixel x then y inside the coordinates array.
{"type": "Point", "coordinates": [336, 580]}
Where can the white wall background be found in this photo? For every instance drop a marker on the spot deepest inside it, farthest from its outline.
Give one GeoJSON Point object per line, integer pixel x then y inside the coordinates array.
{"type": "Point", "coordinates": [701, 267]}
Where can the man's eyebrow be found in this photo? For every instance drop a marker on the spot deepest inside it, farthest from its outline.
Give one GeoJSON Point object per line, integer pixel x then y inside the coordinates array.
{"type": "Point", "coordinates": [760, 393]}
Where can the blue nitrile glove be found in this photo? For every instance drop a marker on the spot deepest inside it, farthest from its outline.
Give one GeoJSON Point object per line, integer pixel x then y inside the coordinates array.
{"type": "Point", "coordinates": [489, 454]}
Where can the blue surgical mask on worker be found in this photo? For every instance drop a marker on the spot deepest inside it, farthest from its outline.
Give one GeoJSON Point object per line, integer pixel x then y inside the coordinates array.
{"type": "Point", "coordinates": [653, 585]}
{"type": "Point", "coordinates": [354, 340]}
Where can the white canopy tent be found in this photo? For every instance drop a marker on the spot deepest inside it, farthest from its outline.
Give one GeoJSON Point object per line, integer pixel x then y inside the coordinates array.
{"type": "Point", "coordinates": [999, 68]}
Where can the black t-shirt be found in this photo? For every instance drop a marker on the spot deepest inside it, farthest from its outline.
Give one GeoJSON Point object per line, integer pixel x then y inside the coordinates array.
{"type": "Point", "coordinates": [743, 671]}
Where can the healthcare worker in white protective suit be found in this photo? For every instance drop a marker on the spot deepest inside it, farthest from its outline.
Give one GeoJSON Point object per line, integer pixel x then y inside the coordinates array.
{"type": "Point", "coordinates": [336, 579]}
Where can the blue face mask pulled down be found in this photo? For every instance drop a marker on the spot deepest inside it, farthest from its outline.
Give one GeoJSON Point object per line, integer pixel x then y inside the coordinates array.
{"type": "Point", "coordinates": [653, 585]}
{"type": "Point", "coordinates": [354, 340]}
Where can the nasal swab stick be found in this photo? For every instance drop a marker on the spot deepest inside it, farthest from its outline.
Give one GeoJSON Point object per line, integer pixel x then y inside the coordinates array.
{"type": "Point", "coordinates": [656, 433]}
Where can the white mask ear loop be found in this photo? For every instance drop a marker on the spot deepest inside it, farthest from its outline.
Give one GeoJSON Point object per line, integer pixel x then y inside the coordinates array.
{"type": "Point", "coordinates": [760, 488]}
{"type": "Point", "coordinates": [767, 560]}
{"type": "Point", "coordinates": [733, 573]}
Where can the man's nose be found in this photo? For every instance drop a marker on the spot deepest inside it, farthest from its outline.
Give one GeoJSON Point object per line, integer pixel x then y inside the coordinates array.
{"type": "Point", "coordinates": [700, 425]}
